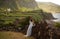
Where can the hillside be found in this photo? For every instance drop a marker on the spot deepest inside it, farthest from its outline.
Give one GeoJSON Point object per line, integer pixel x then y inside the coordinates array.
{"type": "Point", "coordinates": [49, 7]}
{"type": "Point", "coordinates": [17, 4]}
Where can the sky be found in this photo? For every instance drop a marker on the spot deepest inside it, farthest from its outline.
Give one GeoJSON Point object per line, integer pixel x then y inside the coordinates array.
{"type": "Point", "coordinates": [53, 1]}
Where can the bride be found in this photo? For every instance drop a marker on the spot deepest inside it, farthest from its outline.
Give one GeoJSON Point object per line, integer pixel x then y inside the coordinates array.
{"type": "Point", "coordinates": [29, 30]}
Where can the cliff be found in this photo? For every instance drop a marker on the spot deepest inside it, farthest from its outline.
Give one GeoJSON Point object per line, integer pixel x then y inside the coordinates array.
{"type": "Point", "coordinates": [17, 4]}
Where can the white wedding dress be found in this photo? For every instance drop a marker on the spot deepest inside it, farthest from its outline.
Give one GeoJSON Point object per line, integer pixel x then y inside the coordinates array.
{"type": "Point", "coordinates": [29, 30]}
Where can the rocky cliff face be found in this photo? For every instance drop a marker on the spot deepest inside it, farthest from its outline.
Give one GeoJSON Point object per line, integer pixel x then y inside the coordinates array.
{"type": "Point", "coordinates": [27, 3]}
{"type": "Point", "coordinates": [16, 4]}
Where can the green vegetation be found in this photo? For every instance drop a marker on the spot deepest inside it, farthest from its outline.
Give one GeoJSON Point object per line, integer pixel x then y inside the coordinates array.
{"type": "Point", "coordinates": [10, 17]}
{"type": "Point", "coordinates": [24, 9]}
{"type": "Point", "coordinates": [57, 25]}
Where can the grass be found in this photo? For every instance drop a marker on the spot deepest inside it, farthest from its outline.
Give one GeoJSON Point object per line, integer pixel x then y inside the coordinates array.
{"type": "Point", "coordinates": [13, 35]}
{"type": "Point", "coordinates": [10, 17]}
{"type": "Point", "coordinates": [57, 24]}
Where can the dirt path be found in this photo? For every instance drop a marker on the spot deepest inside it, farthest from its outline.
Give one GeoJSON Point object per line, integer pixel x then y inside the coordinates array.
{"type": "Point", "coordinates": [13, 35]}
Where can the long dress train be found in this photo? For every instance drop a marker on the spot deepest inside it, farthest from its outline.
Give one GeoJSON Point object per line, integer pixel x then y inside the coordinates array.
{"type": "Point", "coordinates": [29, 30]}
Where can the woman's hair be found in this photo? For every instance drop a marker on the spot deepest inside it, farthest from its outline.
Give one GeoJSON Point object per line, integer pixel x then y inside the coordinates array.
{"type": "Point", "coordinates": [30, 20]}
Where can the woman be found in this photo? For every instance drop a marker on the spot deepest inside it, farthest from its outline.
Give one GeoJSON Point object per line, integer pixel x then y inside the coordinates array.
{"type": "Point", "coordinates": [29, 30]}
